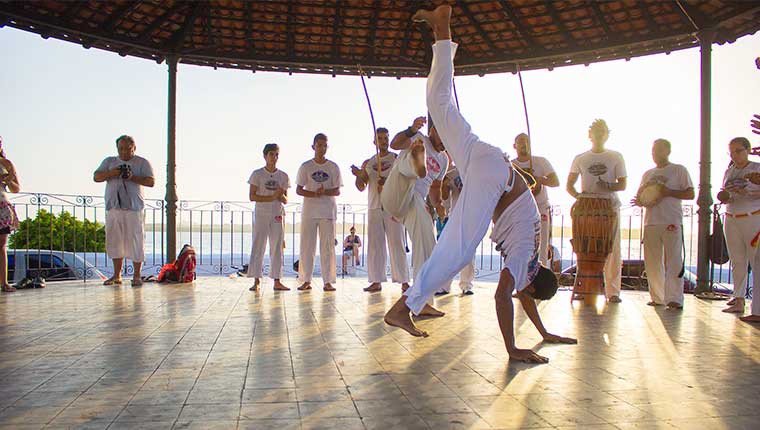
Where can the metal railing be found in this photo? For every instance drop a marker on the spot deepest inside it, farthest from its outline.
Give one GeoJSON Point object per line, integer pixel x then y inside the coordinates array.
{"type": "Point", "coordinates": [222, 233]}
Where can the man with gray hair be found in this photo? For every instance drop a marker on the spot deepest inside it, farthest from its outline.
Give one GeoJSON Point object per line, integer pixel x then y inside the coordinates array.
{"type": "Point", "coordinates": [125, 175]}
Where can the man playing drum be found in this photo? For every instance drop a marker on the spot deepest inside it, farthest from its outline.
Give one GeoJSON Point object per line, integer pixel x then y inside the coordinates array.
{"type": "Point", "coordinates": [603, 174]}
{"type": "Point", "coordinates": [492, 191]}
{"type": "Point", "coordinates": [660, 193]}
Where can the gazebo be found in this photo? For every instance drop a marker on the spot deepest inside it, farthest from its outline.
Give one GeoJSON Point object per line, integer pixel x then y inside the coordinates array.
{"type": "Point", "coordinates": [377, 37]}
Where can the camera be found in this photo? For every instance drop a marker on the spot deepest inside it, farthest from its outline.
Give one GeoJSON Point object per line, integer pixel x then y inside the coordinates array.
{"type": "Point", "coordinates": [126, 170]}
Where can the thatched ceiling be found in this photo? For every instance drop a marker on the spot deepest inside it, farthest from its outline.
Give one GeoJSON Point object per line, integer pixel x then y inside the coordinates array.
{"type": "Point", "coordinates": [333, 37]}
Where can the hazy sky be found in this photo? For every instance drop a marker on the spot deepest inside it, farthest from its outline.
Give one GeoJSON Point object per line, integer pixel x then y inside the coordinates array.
{"type": "Point", "coordinates": [63, 106]}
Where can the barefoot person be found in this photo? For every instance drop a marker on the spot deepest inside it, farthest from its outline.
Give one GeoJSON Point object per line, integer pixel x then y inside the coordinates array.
{"type": "Point", "coordinates": [742, 228]}
{"type": "Point", "coordinates": [318, 182]}
{"type": "Point", "coordinates": [125, 176]}
{"type": "Point", "coordinates": [269, 189]}
{"type": "Point", "coordinates": [663, 225]}
{"type": "Point", "coordinates": [492, 191]}
{"type": "Point", "coordinates": [418, 171]}
{"type": "Point", "coordinates": [603, 174]}
{"type": "Point", "coordinates": [381, 225]}
{"type": "Point", "coordinates": [8, 219]}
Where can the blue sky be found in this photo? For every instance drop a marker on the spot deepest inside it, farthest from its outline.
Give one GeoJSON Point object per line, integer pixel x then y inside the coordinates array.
{"type": "Point", "coordinates": [63, 106]}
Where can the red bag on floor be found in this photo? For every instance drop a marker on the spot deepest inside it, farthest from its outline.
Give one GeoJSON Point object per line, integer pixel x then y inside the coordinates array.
{"type": "Point", "coordinates": [181, 270]}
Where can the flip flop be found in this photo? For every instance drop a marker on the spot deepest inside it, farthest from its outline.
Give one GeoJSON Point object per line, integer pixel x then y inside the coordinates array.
{"type": "Point", "coordinates": [111, 281]}
{"type": "Point", "coordinates": [304, 287]}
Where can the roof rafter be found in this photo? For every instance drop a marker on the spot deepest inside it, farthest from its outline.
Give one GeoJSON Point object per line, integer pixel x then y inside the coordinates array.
{"type": "Point", "coordinates": [522, 31]}
{"type": "Point", "coordinates": [471, 16]}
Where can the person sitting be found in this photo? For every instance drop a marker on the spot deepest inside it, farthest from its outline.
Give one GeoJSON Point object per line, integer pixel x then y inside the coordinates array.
{"type": "Point", "coordinates": [351, 245]}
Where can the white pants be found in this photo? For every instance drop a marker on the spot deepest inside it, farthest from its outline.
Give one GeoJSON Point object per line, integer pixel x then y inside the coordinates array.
{"type": "Point", "coordinates": [400, 200]}
{"type": "Point", "coordinates": [546, 228]}
{"type": "Point", "coordinates": [484, 173]}
{"type": "Point", "coordinates": [381, 227]}
{"type": "Point", "coordinates": [613, 267]}
{"type": "Point", "coordinates": [125, 234]}
{"type": "Point", "coordinates": [663, 260]}
{"type": "Point", "coordinates": [466, 277]}
{"type": "Point", "coordinates": [266, 228]}
{"type": "Point", "coordinates": [741, 239]}
{"type": "Point", "coordinates": [309, 228]}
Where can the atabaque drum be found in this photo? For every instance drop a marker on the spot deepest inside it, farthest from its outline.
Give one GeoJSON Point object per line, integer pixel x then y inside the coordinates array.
{"type": "Point", "coordinates": [595, 223]}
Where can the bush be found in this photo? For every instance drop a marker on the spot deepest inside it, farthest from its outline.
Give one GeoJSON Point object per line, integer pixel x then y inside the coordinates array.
{"type": "Point", "coordinates": [62, 233]}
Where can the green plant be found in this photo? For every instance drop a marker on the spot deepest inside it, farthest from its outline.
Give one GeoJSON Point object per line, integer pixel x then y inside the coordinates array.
{"type": "Point", "coordinates": [62, 233]}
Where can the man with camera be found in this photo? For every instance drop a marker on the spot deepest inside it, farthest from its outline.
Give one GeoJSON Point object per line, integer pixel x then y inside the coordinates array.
{"type": "Point", "coordinates": [125, 175]}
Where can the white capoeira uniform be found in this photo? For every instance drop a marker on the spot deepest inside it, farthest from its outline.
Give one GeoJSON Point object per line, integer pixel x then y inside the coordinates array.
{"type": "Point", "coordinates": [404, 196]}
{"type": "Point", "coordinates": [267, 223]}
{"type": "Point", "coordinates": [742, 231]}
{"type": "Point", "coordinates": [318, 215]}
{"type": "Point", "coordinates": [467, 275]}
{"type": "Point", "coordinates": [487, 175]}
{"type": "Point", "coordinates": [382, 227]}
{"type": "Point", "coordinates": [608, 166]}
{"type": "Point", "coordinates": [541, 167]}
{"type": "Point", "coordinates": [663, 235]}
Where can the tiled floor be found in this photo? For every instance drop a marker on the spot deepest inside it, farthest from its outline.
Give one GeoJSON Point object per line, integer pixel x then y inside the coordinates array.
{"type": "Point", "coordinates": [216, 356]}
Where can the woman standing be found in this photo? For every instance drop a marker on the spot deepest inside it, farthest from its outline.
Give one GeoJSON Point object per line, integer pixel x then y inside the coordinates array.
{"type": "Point", "coordinates": [8, 218]}
{"type": "Point", "coordinates": [742, 228]}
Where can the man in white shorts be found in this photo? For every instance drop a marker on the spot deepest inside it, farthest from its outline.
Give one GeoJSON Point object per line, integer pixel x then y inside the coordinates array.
{"type": "Point", "coordinates": [125, 176]}
{"type": "Point", "coordinates": [381, 225]}
{"type": "Point", "coordinates": [417, 172]}
{"type": "Point", "coordinates": [318, 182]}
{"type": "Point", "coordinates": [268, 187]}
{"type": "Point", "coordinates": [492, 190]}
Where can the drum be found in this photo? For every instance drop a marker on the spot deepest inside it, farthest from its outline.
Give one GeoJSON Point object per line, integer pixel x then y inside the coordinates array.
{"type": "Point", "coordinates": [650, 194]}
{"type": "Point", "coordinates": [595, 223]}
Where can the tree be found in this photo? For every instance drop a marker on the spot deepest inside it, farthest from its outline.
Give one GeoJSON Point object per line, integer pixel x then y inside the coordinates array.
{"type": "Point", "coordinates": [61, 233]}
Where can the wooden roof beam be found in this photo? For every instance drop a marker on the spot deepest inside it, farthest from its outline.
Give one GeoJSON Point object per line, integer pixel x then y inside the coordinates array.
{"type": "Point", "coordinates": [564, 31]}
{"type": "Point", "coordinates": [119, 14]}
{"type": "Point", "coordinates": [175, 42]}
{"type": "Point", "coordinates": [599, 15]}
{"type": "Point", "coordinates": [373, 33]}
{"type": "Point", "coordinates": [160, 20]}
{"type": "Point", "coordinates": [335, 31]}
{"type": "Point", "coordinates": [523, 32]}
{"type": "Point", "coordinates": [290, 41]}
{"type": "Point", "coordinates": [478, 28]}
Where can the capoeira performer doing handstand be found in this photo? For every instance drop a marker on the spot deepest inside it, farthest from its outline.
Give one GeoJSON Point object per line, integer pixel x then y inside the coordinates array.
{"type": "Point", "coordinates": [492, 190]}
{"type": "Point", "coordinates": [381, 225]}
{"type": "Point", "coordinates": [418, 171]}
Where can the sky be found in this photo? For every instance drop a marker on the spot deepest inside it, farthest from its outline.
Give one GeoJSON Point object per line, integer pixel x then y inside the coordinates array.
{"type": "Point", "coordinates": [62, 107]}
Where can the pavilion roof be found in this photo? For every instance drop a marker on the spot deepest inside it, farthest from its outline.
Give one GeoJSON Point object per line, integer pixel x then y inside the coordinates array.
{"type": "Point", "coordinates": [335, 37]}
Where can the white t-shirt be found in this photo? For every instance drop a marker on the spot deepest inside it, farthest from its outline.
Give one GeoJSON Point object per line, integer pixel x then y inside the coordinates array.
{"type": "Point", "coordinates": [668, 211]}
{"type": "Point", "coordinates": [541, 167]}
{"type": "Point", "coordinates": [742, 204]}
{"type": "Point", "coordinates": [607, 166]}
{"type": "Point", "coordinates": [455, 185]}
{"type": "Point", "coordinates": [123, 193]}
{"type": "Point", "coordinates": [436, 162]}
{"type": "Point", "coordinates": [310, 176]}
{"type": "Point", "coordinates": [267, 183]}
{"type": "Point", "coordinates": [371, 167]}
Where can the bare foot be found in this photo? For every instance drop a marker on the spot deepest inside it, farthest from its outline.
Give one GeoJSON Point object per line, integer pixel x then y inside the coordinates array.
{"type": "Point", "coordinates": [404, 287]}
{"type": "Point", "coordinates": [278, 286]}
{"type": "Point", "coordinates": [399, 316]}
{"type": "Point", "coordinates": [305, 286]}
{"type": "Point", "coordinates": [736, 308]}
{"type": "Point", "coordinates": [653, 303]}
{"type": "Point", "coordinates": [8, 288]}
{"type": "Point", "coordinates": [675, 305]}
{"type": "Point", "coordinates": [418, 158]}
{"type": "Point", "coordinates": [731, 302]}
{"type": "Point", "coordinates": [137, 282]}
{"type": "Point", "coordinates": [374, 287]}
{"type": "Point", "coordinates": [255, 285]}
{"type": "Point", "coordinates": [615, 299]}
{"type": "Point", "coordinates": [429, 311]}
{"type": "Point", "coordinates": [751, 318]}
{"type": "Point", "coordinates": [437, 19]}
{"type": "Point", "coordinates": [328, 287]}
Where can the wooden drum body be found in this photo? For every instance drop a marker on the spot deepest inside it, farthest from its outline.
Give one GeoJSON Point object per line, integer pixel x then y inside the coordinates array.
{"type": "Point", "coordinates": [595, 223]}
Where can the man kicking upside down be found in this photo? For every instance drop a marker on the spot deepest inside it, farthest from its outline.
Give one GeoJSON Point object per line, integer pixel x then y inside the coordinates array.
{"type": "Point", "coordinates": [492, 191]}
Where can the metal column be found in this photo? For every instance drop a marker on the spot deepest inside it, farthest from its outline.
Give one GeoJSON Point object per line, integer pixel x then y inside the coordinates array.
{"type": "Point", "coordinates": [171, 165]}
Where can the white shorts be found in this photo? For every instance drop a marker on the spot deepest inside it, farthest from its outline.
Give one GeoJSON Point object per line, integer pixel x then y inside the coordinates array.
{"type": "Point", "coordinates": [125, 234]}
{"type": "Point", "coordinates": [517, 234]}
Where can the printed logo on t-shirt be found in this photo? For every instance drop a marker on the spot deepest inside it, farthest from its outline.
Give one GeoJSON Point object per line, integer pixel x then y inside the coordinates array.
{"type": "Point", "coordinates": [737, 182]}
{"type": "Point", "coordinates": [658, 179]}
{"type": "Point", "coordinates": [597, 169]}
{"type": "Point", "coordinates": [320, 176]}
{"type": "Point", "coordinates": [432, 165]}
{"type": "Point", "coordinates": [384, 165]}
{"type": "Point", "coordinates": [271, 185]}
